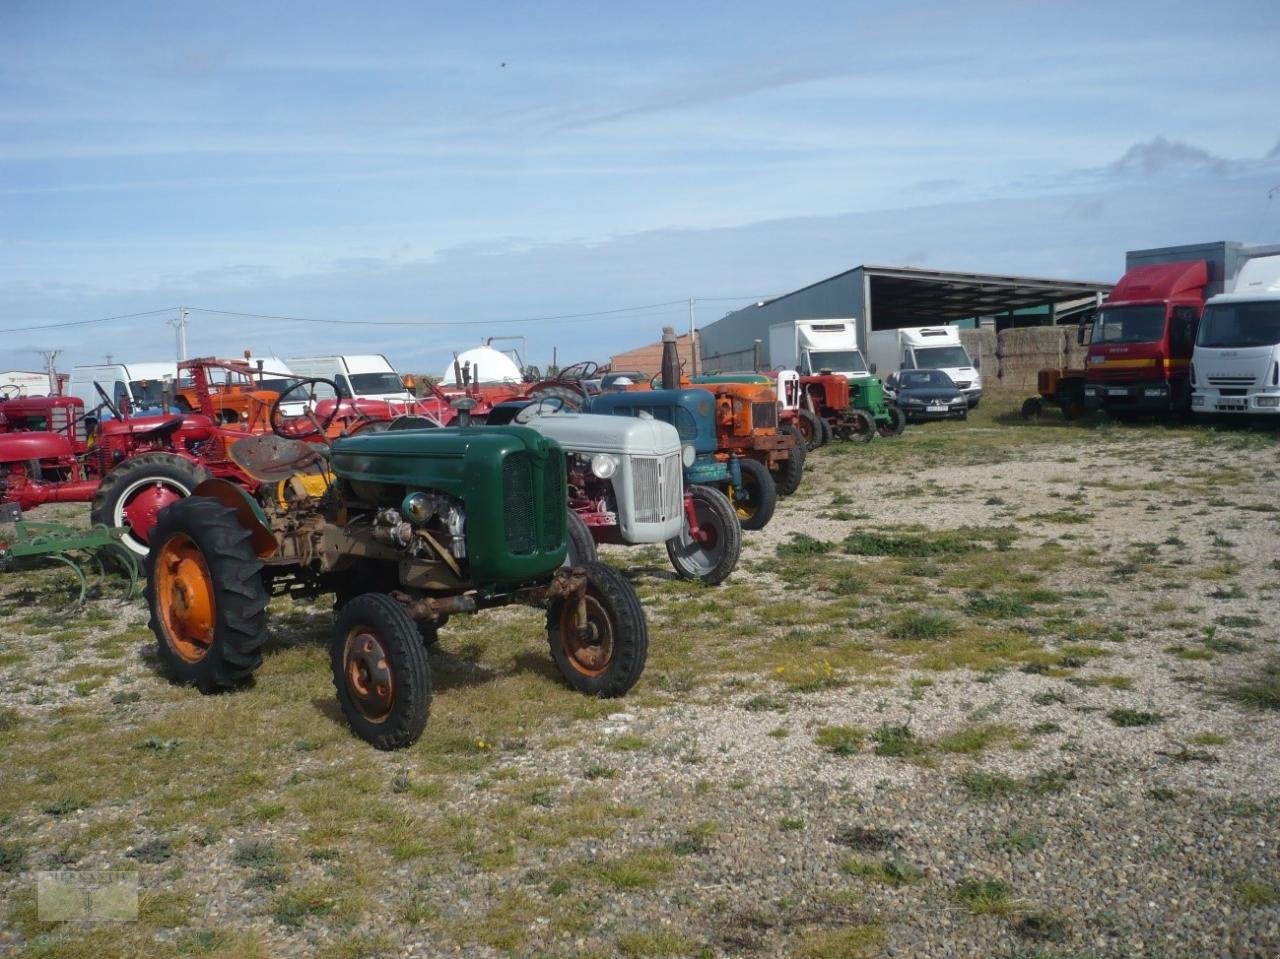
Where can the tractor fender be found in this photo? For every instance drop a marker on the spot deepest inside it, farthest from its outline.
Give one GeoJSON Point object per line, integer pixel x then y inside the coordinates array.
{"type": "Point", "coordinates": [19, 447]}
{"type": "Point", "coordinates": [248, 512]}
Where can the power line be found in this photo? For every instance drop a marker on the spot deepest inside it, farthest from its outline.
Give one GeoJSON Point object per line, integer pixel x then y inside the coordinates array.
{"type": "Point", "coordinates": [105, 319]}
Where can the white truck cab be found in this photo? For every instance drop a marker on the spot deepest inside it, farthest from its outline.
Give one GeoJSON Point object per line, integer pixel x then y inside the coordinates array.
{"type": "Point", "coordinates": [811, 346]}
{"type": "Point", "coordinates": [367, 376]}
{"type": "Point", "coordinates": [1235, 367]}
{"type": "Point", "coordinates": [927, 348]}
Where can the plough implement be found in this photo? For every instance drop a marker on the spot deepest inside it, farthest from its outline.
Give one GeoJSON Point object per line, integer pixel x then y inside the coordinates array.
{"type": "Point", "coordinates": [80, 550]}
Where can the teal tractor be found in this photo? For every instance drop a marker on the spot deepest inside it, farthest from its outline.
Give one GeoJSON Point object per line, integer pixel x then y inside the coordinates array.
{"type": "Point", "coordinates": [405, 528]}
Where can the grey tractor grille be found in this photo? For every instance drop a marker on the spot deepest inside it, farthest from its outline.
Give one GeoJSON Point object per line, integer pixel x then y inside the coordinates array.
{"type": "Point", "coordinates": [518, 504]}
{"type": "Point", "coordinates": [657, 485]}
{"type": "Point", "coordinates": [764, 415]}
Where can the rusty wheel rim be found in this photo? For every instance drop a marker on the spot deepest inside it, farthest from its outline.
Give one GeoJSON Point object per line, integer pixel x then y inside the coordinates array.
{"type": "Point", "coordinates": [588, 650]}
{"type": "Point", "coordinates": [184, 595]}
{"type": "Point", "coordinates": [746, 499]}
{"type": "Point", "coordinates": [366, 668]}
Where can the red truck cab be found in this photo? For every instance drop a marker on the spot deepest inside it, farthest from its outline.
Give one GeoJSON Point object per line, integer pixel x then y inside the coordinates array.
{"type": "Point", "coordinates": [1140, 356]}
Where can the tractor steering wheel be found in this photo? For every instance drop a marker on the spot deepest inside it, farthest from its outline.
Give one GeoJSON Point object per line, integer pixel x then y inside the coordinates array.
{"type": "Point", "coordinates": [579, 371]}
{"type": "Point", "coordinates": [6, 387]}
{"type": "Point", "coordinates": [544, 405]}
{"type": "Point", "coordinates": [106, 400]}
{"type": "Point", "coordinates": [308, 425]}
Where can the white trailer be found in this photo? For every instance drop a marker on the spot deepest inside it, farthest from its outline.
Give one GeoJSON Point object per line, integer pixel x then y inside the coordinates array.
{"type": "Point", "coordinates": [24, 383]}
{"type": "Point", "coordinates": [811, 346]}
{"type": "Point", "coordinates": [927, 348]}
{"type": "Point", "coordinates": [1235, 367]}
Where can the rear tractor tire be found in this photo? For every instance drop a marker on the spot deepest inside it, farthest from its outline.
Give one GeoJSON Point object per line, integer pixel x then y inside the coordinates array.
{"type": "Point", "coordinates": [380, 671]}
{"type": "Point", "coordinates": [896, 425]}
{"type": "Point", "coordinates": [712, 559]}
{"type": "Point", "coordinates": [604, 656]}
{"type": "Point", "coordinates": [861, 428]}
{"type": "Point", "coordinates": [757, 498]}
{"type": "Point", "coordinates": [572, 399]}
{"type": "Point", "coordinates": [788, 476]}
{"type": "Point", "coordinates": [582, 548]}
{"type": "Point", "coordinates": [1032, 408]}
{"type": "Point", "coordinates": [206, 596]}
{"type": "Point", "coordinates": [133, 494]}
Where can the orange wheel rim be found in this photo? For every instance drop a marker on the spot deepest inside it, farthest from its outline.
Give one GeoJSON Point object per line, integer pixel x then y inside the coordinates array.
{"type": "Point", "coordinates": [367, 671]}
{"type": "Point", "coordinates": [587, 647]}
{"type": "Point", "coordinates": [184, 594]}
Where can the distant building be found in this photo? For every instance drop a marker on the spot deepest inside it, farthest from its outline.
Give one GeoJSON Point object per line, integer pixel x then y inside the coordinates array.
{"type": "Point", "coordinates": [648, 359]}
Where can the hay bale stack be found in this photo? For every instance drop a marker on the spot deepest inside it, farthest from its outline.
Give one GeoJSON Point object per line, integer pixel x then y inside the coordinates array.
{"type": "Point", "coordinates": [1024, 351]}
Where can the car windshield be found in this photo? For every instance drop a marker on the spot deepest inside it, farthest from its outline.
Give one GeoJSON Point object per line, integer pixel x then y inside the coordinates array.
{"type": "Point", "coordinates": [844, 361]}
{"type": "Point", "coordinates": [371, 384]}
{"type": "Point", "coordinates": [1234, 325]}
{"type": "Point", "coordinates": [924, 379]}
{"type": "Point", "coordinates": [942, 357]}
{"type": "Point", "coordinates": [1130, 324]}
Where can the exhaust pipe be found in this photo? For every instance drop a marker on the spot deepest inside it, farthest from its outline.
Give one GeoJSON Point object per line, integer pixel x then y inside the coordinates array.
{"type": "Point", "coordinates": [670, 360]}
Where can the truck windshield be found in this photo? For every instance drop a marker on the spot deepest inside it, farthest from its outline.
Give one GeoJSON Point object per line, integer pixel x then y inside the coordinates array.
{"type": "Point", "coordinates": [276, 384]}
{"type": "Point", "coordinates": [941, 357]}
{"type": "Point", "coordinates": [370, 384]}
{"type": "Point", "coordinates": [1130, 324]}
{"type": "Point", "coordinates": [147, 392]}
{"type": "Point", "coordinates": [1233, 325]}
{"type": "Point", "coordinates": [845, 361]}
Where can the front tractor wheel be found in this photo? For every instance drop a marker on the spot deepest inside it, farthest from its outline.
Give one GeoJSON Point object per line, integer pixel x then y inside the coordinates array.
{"type": "Point", "coordinates": [599, 645]}
{"type": "Point", "coordinates": [811, 427]}
{"type": "Point", "coordinates": [897, 423]}
{"type": "Point", "coordinates": [756, 499]}
{"type": "Point", "coordinates": [859, 428]}
{"type": "Point", "coordinates": [380, 671]}
{"type": "Point", "coordinates": [581, 546]}
{"type": "Point", "coordinates": [711, 553]}
{"type": "Point", "coordinates": [1032, 408]}
{"type": "Point", "coordinates": [205, 593]}
{"type": "Point", "coordinates": [133, 494]}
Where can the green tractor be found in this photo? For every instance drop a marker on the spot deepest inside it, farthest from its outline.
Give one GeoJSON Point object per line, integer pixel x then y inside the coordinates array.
{"type": "Point", "coordinates": [406, 528]}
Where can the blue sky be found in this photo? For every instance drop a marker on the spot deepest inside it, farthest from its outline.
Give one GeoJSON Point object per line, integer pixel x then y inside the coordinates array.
{"type": "Point", "coordinates": [379, 162]}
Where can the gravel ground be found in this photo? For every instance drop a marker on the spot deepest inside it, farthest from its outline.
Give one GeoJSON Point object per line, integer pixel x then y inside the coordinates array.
{"type": "Point", "coordinates": [1120, 804]}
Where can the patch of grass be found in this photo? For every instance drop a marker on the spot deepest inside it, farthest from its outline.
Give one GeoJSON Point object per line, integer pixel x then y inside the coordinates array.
{"type": "Point", "coordinates": [966, 539]}
{"type": "Point", "coordinates": [292, 908]}
{"type": "Point", "coordinates": [790, 824]}
{"type": "Point", "coordinates": [1042, 927]}
{"type": "Point", "coordinates": [841, 740]}
{"type": "Point", "coordinates": [13, 857]}
{"type": "Point", "coordinates": [985, 897]}
{"type": "Point", "coordinates": [1209, 739]}
{"type": "Point", "coordinates": [975, 739]}
{"type": "Point", "coordinates": [640, 869]}
{"type": "Point", "coordinates": [660, 942]}
{"type": "Point", "coordinates": [1255, 892]}
{"type": "Point", "coordinates": [1132, 718]}
{"type": "Point", "coordinates": [801, 544]}
{"type": "Point", "coordinates": [899, 742]}
{"type": "Point", "coordinates": [1261, 693]}
{"type": "Point", "coordinates": [921, 625]}
{"type": "Point", "coordinates": [894, 872]}
{"type": "Point", "coordinates": [985, 785]}
{"type": "Point", "coordinates": [696, 839]}
{"type": "Point", "coordinates": [865, 838]}
{"type": "Point", "coordinates": [997, 605]}
{"type": "Point", "coordinates": [628, 743]}
{"type": "Point", "coordinates": [1018, 840]}
{"type": "Point", "coordinates": [256, 854]}
{"type": "Point", "coordinates": [850, 942]}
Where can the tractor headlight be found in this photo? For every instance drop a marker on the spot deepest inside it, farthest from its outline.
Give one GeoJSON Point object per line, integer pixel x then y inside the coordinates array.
{"type": "Point", "coordinates": [688, 455]}
{"type": "Point", "coordinates": [417, 508]}
{"type": "Point", "coordinates": [603, 465]}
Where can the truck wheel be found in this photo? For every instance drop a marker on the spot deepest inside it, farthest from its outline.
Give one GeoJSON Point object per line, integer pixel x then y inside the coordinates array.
{"type": "Point", "coordinates": [133, 494]}
{"type": "Point", "coordinates": [606, 656]}
{"type": "Point", "coordinates": [897, 423]}
{"type": "Point", "coordinates": [205, 594]}
{"type": "Point", "coordinates": [712, 559]}
{"type": "Point", "coordinates": [788, 475]}
{"type": "Point", "coordinates": [380, 671]}
{"type": "Point", "coordinates": [862, 428]}
{"type": "Point", "coordinates": [756, 499]}
{"type": "Point", "coordinates": [811, 427]}
{"type": "Point", "coordinates": [582, 548]}
{"type": "Point", "coordinates": [1032, 408]}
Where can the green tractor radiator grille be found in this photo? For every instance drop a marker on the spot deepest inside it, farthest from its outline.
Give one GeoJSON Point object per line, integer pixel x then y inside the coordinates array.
{"type": "Point", "coordinates": [764, 415]}
{"type": "Point", "coordinates": [555, 498]}
{"type": "Point", "coordinates": [518, 504]}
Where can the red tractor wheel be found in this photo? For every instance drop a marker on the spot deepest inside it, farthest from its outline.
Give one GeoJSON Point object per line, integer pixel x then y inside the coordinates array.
{"type": "Point", "coordinates": [812, 429]}
{"type": "Point", "coordinates": [133, 494]}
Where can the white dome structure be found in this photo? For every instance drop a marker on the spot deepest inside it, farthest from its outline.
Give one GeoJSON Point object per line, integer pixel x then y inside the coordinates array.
{"type": "Point", "coordinates": [487, 366]}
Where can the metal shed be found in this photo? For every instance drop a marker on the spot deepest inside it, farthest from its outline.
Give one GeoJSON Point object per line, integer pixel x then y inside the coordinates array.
{"type": "Point", "coordinates": [889, 297]}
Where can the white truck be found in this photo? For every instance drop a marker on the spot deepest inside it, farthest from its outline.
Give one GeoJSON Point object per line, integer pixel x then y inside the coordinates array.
{"type": "Point", "coordinates": [138, 384]}
{"type": "Point", "coordinates": [811, 346]}
{"type": "Point", "coordinates": [1235, 367]}
{"type": "Point", "coordinates": [364, 377]}
{"type": "Point", "coordinates": [927, 348]}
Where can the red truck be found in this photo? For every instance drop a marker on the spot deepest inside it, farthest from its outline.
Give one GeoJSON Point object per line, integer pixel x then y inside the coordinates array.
{"type": "Point", "coordinates": [1140, 355]}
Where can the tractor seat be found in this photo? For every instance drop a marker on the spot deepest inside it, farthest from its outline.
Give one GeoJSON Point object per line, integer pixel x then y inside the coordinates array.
{"type": "Point", "coordinates": [269, 458]}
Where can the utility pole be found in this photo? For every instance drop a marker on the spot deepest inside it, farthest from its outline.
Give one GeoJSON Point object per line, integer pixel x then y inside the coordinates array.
{"type": "Point", "coordinates": [693, 343]}
{"type": "Point", "coordinates": [180, 325]}
{"type": "Point", "coordinates": [49, 357]}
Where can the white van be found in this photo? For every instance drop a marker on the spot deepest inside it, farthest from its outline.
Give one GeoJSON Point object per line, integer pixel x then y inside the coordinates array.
{"type": "Point", "coordinates": [139, 384]}
{"type": "Point", "coordinates": [368, 377]}
{"type": "Point", "coordinates": [927, 348]}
